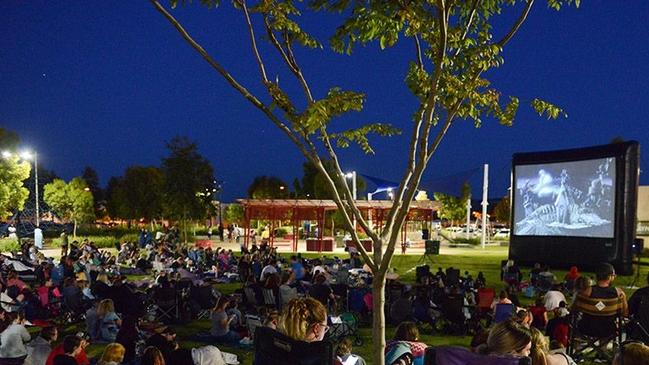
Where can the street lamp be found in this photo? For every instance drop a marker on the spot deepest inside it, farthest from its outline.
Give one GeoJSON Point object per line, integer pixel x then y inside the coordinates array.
{"type": "Point", "coordinates": [352, 175]}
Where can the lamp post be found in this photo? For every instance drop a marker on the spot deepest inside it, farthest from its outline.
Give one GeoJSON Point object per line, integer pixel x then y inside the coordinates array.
{"type": "Point", "coordinates": [352, 175]}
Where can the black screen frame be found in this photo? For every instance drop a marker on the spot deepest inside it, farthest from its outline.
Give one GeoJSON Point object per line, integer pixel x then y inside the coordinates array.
{"type": "Point", "coordinates": [585, 252]}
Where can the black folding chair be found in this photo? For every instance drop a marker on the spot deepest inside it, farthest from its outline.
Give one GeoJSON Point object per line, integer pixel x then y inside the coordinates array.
{"type": "Point", "coordinates": [274, 348]}
{"type": "Point", "coordinates": [638, 328]}
{"type": "Point", "coordinates": [453, 355]}
{"type": "Point", "coordinates": [166, 302]}
{"type": "Point", "coordinates": [596, 323]}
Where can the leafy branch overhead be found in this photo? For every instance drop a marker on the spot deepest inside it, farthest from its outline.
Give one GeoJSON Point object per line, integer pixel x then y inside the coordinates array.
{"type": "Point", "coordinates": [359, 135]}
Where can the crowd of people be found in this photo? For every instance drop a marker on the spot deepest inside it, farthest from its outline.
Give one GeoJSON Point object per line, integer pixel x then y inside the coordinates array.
{"type": "Point", "coordinates": [304, 299]}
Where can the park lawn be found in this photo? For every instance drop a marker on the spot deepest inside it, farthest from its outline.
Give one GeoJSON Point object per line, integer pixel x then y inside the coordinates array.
{"type": "Point", "coordinates": [472, 259]}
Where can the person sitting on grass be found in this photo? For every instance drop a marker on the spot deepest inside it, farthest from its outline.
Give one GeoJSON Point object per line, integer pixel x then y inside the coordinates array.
{"type": "Point", "coordinates": [539, 314]}
{"type": "Point", "coordinates": [109, 321]}
{"type": "Point", "coordinates": [507, 338]}
{"type": "Point", "coordinates": [113, 354]}
{"type": "Point", "coordinates": [220, 330]}
{"type": "Point", "coordinates": [344, 353]}
{"type": "Point", "coordinates": [152, 356]}
{"type": "Point", "coordinates": [540, 351]}
{"type": "Point", "coordinates": [71, 348]}
{"type": "Point", "coordinates": [13, 338]}
{"type": "Point", "coordinates": [40, 347]}
{"type": "Point", "coordinates": [405, 347]}
{"type": "Point", "coordinates": [634, 353]}
{"type": "Point", "coordinates": [304, 319]}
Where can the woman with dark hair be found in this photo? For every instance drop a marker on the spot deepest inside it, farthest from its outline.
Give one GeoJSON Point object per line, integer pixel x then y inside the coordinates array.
{"type": "Point", "coordinates": [152, 356]}
{"type": "Point", "coordinates": [13, 338]}
{"type": "Point", "coordinates": [405, 347]}
{"type": "Point", "coordinates": [220, 330]}
{"type": "Point", "coordinates": [127, 336]}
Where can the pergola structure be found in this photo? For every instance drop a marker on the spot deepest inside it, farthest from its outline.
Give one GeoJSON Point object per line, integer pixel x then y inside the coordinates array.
{"type": "Point", "coordinates": [297, 210]}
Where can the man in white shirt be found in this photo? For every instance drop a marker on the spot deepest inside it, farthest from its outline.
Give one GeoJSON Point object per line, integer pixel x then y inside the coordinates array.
{"type": "Point", "coordinates": [269, 269]}
{"type": "Point", "coordinates": [553, 297]}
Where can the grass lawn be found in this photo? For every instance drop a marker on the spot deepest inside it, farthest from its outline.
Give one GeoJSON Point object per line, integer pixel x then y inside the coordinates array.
{"type": "Point", "coordinates": [466, 259]}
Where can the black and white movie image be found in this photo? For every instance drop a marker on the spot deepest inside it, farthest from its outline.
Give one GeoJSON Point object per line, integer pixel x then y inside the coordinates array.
{"type": "Point", "coordinates": [574, 198]}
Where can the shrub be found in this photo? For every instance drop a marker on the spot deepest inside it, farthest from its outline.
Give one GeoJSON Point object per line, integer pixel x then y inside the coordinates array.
{"type": "Point", "coordinates": [9, 245]}
{"type": "Point", "coordinates": [471, 241]}
{"type": "Point", "coordinates": [99, 241]}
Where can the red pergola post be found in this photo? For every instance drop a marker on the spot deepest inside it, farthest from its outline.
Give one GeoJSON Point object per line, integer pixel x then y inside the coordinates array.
{"type": "Point", "coordinates": [296, 230]}
{"type": "Point", "coordinates": [246, 225]}
{"type": "Point", "coordinates": [321, 223]}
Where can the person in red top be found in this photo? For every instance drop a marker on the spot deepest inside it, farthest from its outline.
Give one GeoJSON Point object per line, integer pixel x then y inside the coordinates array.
{"type": "Point", "coordinates": [539, 314]}
{"type": "Point", "coordinates": [81, 356]}
{"type": "Point", "coordinates": [571, 278]}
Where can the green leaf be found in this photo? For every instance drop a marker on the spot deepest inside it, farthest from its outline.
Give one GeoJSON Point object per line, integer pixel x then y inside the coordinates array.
{"type": "Point", "coordinates": [336, 103]}
{"type": "Point", "coordinates": [551, 111]}
{"type": "Point", "coordinates": [359, 135]}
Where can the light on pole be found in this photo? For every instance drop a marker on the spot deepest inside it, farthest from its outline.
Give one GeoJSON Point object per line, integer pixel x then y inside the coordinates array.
{"type": "Point", "coordinates": [352, 175]}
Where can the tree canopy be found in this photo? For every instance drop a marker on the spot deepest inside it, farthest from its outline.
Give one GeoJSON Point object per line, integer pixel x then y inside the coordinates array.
{"type": "Point", "coordinates": [72, 201]}
{"type": "Point", "coordinates": [139, 194]}
{"type": "Point", "coordinates": [452, 207]}
{"type": "Point", "coordinates": [268, 187]}
{"type": "Point", "coordinates": [13, 173]}
{"type": "Point", "coordinates": [188, 180]}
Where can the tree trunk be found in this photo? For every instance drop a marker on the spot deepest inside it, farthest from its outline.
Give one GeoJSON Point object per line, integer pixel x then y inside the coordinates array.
{"type": "Point", "coordinates": [74, 230]}
{"type": "Point", "coordinates": [378, 319]}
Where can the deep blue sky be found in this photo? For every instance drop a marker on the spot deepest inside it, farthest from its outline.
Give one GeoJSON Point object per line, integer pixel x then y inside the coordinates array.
{"type": "Point", "coordinates": [106, 84]}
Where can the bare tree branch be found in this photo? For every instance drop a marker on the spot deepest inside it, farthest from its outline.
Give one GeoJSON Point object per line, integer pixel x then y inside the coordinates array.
{"type": "Point", "coordinates": [298, 70]}
{"type": "Point", "coordinates": [230, 79]}
{"type": "Point", "coordinates": [474, 9]}
{"type": "Point", "coordinates": [253, 41]}
{"type": "Point", "coordinates": [420, 60]}
{"type": "Point", "coordinates": [517, 25]}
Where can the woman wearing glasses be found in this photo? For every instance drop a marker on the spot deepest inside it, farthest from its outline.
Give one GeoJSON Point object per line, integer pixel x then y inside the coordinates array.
{"type": "Point", "coordinates": [304, 319]}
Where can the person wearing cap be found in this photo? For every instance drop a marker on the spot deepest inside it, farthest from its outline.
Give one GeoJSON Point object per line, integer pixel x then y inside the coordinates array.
{"type": "Point", "coordinates": [604, 288]}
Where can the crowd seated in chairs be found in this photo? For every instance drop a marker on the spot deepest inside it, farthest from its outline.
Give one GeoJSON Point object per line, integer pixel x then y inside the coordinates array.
{"type": "Point", "coordinates": [303, 319]}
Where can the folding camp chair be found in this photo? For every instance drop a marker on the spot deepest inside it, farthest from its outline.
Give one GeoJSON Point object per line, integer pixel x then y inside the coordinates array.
{"type": "Point", "coordinates": [503, 312]}
{"type": "Point", "coordinates": [596, 324]}
{"type": "Point", "coordinates": [638, 328]}
{"type": "Point", "coordinates": [166, 303]}
{"type": "Point", "coordinates": [274, 348]}
{"type": "Point", "coordinates": [269, 298]}
{"type": "Point", "coordinates": [251, 296]}
{"type": "Point", "coordinates": [453, 319]}
{"type": "Point", "coordinates": [252, 323]}
{"type": "Point", "coordinates": [452, 277]}
{"type": "Point", "coordinates": [452, 355]}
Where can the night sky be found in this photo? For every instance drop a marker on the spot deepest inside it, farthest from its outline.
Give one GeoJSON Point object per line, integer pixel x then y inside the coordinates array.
{"type": "Point", "coordinates": [105, 85]}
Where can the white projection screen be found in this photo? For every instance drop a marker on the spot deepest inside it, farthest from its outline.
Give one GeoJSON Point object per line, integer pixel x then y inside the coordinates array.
{"type": "Point", "coordinates": [572, 199]}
